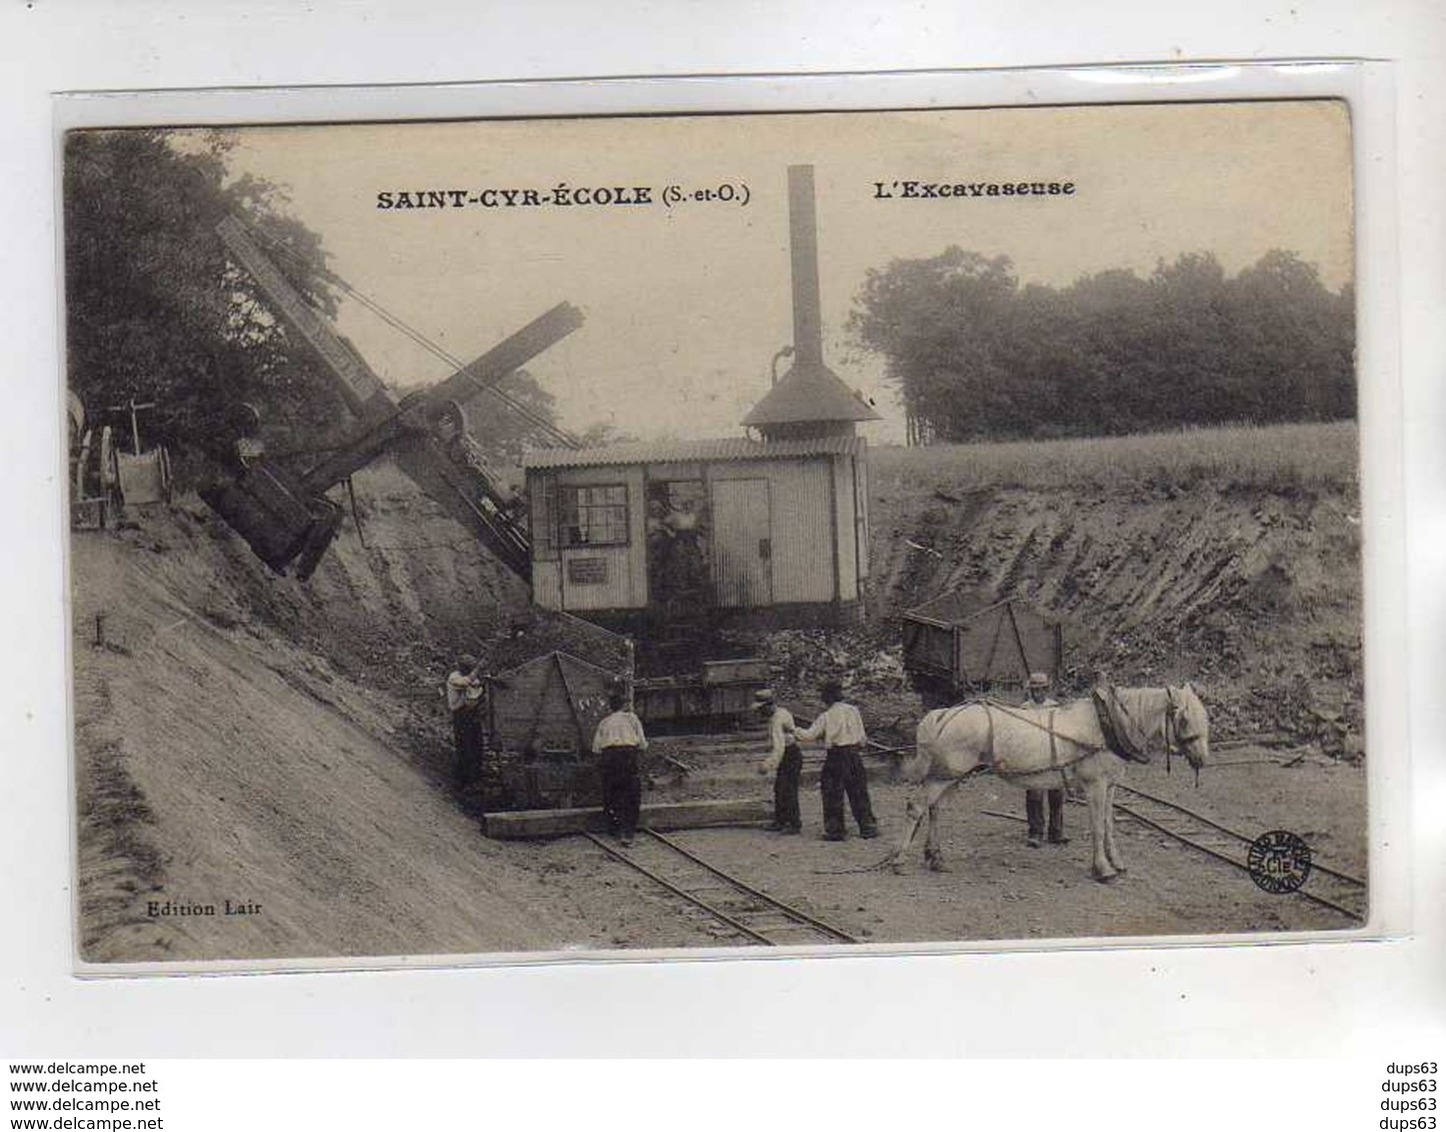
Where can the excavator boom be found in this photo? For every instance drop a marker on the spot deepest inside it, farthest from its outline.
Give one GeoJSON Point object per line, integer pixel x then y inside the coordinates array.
{"type": "Point", "coordinates": [286, 518]}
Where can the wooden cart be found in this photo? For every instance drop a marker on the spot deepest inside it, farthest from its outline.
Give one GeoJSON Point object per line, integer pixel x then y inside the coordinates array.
{"type": "Point", "coordinates": [956, 647]}
{"type": "Point", "coordinates": [541, 716]}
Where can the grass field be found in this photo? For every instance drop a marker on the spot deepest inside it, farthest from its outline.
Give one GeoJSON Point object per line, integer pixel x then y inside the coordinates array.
{"type": "Point", "coordinates": [1273, 458]}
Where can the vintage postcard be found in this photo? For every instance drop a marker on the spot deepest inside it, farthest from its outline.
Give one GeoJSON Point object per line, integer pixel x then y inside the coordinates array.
{"type": "Point", "coordinates": [905, 529]}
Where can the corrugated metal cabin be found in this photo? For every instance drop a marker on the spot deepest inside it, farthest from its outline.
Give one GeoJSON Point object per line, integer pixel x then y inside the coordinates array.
{"type": "Point", "coordinates": [766, 532]}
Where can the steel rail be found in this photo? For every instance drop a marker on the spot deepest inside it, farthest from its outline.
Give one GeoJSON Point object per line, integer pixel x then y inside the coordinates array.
{"type": "Point", "coordinates": [717, 913]}
{"type": "Point", "coordinates": [1240, 839]}
{"type": "Point", "coordinates": [1203, 820]}
{"type": "Point", "coordinates": [787, 909]}
{"type": "Point", "coordinates": [793, 916]}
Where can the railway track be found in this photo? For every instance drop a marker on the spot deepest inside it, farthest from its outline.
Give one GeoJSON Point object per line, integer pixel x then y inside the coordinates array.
{"type": "Point", "coordinates": [1326, 886]}
{"type": "Point", "coordinates": [752, 915]}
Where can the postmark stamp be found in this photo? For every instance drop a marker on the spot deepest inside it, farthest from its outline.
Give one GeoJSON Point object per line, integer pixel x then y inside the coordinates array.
{"type": "Point", "coordinates": [1279, 862]}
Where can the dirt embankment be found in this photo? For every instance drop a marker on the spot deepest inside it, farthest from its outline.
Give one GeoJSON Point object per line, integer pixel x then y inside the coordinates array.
{"type": "Point", "coordinates": [247, 738]}
{"type": "Point", "coordinates": [1252, 595]}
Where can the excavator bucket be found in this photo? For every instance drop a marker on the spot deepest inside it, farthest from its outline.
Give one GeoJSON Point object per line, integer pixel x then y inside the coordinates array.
{"type": "Point", "coordinates": [264, 506]}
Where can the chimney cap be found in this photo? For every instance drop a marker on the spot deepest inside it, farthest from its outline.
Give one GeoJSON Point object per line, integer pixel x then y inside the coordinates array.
{"type": "Point", "coordinates": [809, 392]}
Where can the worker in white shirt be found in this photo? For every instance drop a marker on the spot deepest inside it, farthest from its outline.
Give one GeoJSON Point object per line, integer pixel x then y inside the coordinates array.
{"type": "Point", "coordinates": [464, 701]}
{"type": "Point", "coordinates": [785, 758]}
{"type": "Point", "coordinates": [842, 730]}
{"type": "Point", "coordinates": [618, 743]}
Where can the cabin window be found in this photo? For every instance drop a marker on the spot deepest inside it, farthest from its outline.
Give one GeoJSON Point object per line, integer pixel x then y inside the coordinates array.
{"type": "Point", "coordinates": [594, 514]}
{"type": "Point", "coordinates": [542, 520]}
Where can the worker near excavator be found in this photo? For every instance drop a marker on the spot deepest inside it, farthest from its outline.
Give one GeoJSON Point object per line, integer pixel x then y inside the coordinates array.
{"type": "Point", "coordinates": [619, 743]}
{"type": "Point", "coordinates": [465, 690]}
{"type": "Point", "coordinates": [784, 762]}
{"type": "Point", "coordinates": [1034, 800]}
{"type": "Point", "coordinates": [842, 730]}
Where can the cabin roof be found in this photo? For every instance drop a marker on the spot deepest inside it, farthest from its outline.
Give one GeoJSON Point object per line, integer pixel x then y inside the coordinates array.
{"type": "Point", "coordinates": [810, 391]}
{"type": "Point", "coordinates": [693, 451]}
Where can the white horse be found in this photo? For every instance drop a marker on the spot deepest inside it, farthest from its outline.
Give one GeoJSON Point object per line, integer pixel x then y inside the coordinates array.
{"type": "Point", "coordinates": [1046, 747]}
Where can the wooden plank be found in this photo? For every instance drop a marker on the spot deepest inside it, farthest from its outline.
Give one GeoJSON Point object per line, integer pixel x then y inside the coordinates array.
{"type": "Point", "coordinates": [742, 735]}
{"type": "Point", "coordinates": [660, 816]}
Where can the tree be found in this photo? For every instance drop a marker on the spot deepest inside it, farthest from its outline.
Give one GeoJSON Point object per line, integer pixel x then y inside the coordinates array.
{"type": "Point", "coordinates": [942, 326]}
{"type": "Point", "coordinates": [1111, 314]}
{"type": "Point", "coordinates": [975, 355]}
{"type": "Point", "coordinates": [156, 311]}
{"type": "Point", "coordinates": [1299, 339]}
{"type": "Point", "coordinates": [601, 434]}
{"type": "Point", "coordinates": [502, 431]}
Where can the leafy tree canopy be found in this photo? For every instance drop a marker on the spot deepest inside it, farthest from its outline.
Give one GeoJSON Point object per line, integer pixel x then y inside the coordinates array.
{"type": "Point", "coordinates": [155, 310]}
{"type": "Point", "coordinates": [503, 432]}
{"type": "Point", "coordinates": [600, 434]}
{"type": "Point", "coordinates": [976, 355]}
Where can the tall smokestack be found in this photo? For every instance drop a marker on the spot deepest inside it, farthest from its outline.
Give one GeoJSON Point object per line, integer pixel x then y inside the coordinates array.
{"type": "Point", "coordinates": [809, 401]}
{"type": "Point", "coordinates": [803, 242]}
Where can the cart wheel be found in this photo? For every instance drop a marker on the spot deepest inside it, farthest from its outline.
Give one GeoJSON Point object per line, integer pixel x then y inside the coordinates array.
{"type": "Point", "coordinates": [109, 469]}
{"type": "Point", "coordinates": [81, 463]}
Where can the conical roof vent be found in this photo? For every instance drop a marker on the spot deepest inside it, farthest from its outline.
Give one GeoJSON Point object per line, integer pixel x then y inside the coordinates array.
{"type": "Point", "coordinates": [810, 398]}
{"type": "Point", "coordinates": [809, 393]}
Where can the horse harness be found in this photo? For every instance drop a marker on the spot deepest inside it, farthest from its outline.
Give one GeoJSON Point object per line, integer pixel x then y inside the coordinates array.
{"type": "Point", "coordinates": [1123, 734]}
{"type": "Point", "coordinates": [1126, 737]}
{"type": "Point", "coordinates": [1174, 735]}
{"type": "Point", "coordinates": [990, 706]}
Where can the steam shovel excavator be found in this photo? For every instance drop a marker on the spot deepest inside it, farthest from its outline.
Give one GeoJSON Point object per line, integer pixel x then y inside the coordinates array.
{"type": "Point", "coordinates": [283, 512]}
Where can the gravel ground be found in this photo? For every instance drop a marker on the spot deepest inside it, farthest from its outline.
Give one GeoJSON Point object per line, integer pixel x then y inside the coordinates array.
{"type": "Point", "coordinates": [997, 888]}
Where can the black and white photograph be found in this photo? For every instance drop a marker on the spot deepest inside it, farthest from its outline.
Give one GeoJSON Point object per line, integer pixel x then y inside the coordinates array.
{"type": "Point", "coordinates": [863, 530]}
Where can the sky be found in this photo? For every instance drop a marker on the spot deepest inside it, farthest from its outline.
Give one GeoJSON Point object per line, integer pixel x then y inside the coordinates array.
{"type": "Point", "coordinates": [687, 304]}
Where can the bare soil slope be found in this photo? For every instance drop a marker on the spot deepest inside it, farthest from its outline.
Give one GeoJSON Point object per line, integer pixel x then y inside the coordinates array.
{"type": "Point", "coordinates": [224, 753]}
{"type": "Point", "coordinates": [1254, 594]}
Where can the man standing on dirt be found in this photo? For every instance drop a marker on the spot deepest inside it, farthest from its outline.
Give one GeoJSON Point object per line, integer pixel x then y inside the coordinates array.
{"type": "Point", "coordinates": [1034, 799]}
{"type": "Point", "coordinates": [842, 730]}
{"type": "Point", "coordinates": [464, 699]}
{"type": "Point", "coordinates": [618, 743]}
{"type": "Point", "coordinates": [786, 758]}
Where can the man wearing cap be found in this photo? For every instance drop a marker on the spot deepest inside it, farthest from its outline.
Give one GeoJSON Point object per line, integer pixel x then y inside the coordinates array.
{"type": "Point", "coordinates": [464, 699]}
{"type": "Point", "coordinates": [842, 730]}
{"type": "Point", "coordinates": [618, 743]}
{"type": "Point", "coordinates": [1034, 799]}
{"type": "Point", "coordinates": [786, 758]}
